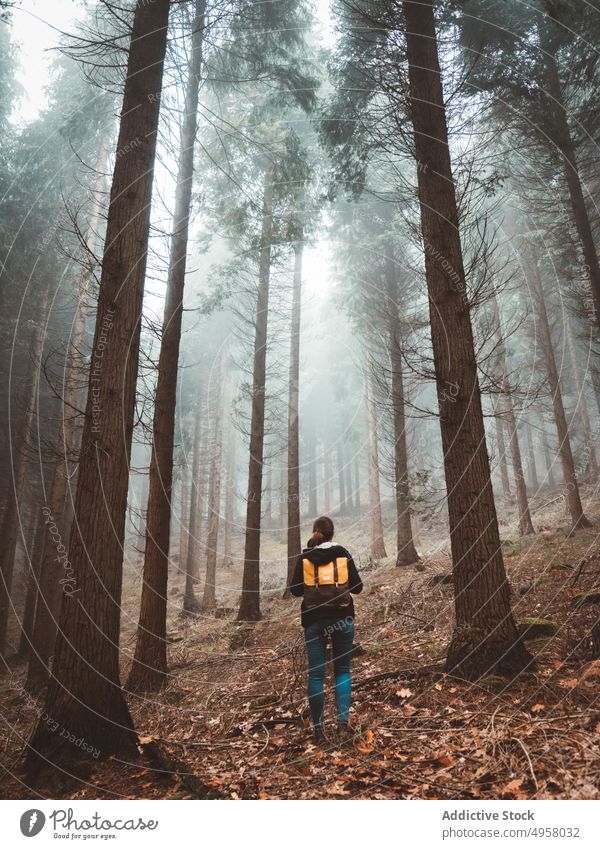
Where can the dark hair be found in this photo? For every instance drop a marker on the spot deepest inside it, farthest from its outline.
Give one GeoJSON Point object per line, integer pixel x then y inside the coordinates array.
{"type": "Point", "coordinates": [322, 530]}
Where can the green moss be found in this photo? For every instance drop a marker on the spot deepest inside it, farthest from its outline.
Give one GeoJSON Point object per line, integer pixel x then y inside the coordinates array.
{"type": "Point", "coordinates": [589, 597]}
{"type": "Point", "coordinates": [532, 627]}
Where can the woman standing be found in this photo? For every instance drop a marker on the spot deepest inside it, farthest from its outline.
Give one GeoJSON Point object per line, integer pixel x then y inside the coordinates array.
{"type": "Point", "coordinates": [325, 575]}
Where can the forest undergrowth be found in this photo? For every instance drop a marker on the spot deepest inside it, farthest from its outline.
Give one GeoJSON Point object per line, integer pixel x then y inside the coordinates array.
{"type": "Point", "coordinates": [233, 722]}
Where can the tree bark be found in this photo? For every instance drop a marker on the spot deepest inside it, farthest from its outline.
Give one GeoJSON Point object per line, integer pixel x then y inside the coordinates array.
{"type": "Point", "coordinates": [250, 602]}
{"type": "Point", "coordinates": [406, 553]}
{"type": "Point", "coordinates": [548, 462]}
{"type": "Point", "coordinates": [294, 542]}
{"type": "Point", "coordinates": [582, 406]}
{"type": "Point", "coordinates": [341, 477]}
{"type": "Point", "coordinates": [191, 605]}
{"type": "Point", "coordinates": [230, 497]}
{"type": "Point", "coordinates": [485, 637]}
{"type": "Point", "coordinates": [209, 599]}
{"type": "Point", "coordinates": [184, 513]}
{"type": "Point", "coordinates": [564, 142]}
{"type": "Point", "coordinates": [572, 496]}
{"type": "Point", "coordinates": [377, 538]}
{"type": "Point", "coordinates": [525, 523]}
{"type": "Point", "coordinates": [84, 694]}
{"type": "Point", "coordinates": [532, 467]}
{"type": "Point", "coordinates": [502, 454]}
{"type": "Point", "coordinates": [149, 669]}
{"type": "Point", "coordinates": [327, 479]}
{"type": "Point", "coordinates": [356, 483]}
{"type": "Point", "coordinates": [49, 585]}
{"type": "Point", "coordinates": [34, 558]}
{"type": "Point", "coordinates": [349, 496]}
{"type": "Point", "coordinates": [19, 455]}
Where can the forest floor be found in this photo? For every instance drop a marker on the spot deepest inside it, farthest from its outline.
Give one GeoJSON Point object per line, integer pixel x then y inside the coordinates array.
{"type": "Point", "coordinates": [232, 722]}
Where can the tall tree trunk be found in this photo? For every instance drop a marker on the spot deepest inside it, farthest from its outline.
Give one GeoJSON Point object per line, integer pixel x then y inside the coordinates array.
{"type": "Point", "coordinates": [405, 547]}
{"type": "Point", "coordinates": [184, 513]}
{"type": "Point", "coordinates": [58, 518]}
{"type": "Point", "coordinates": [531, 464]}
{"type": "Point", "coordinates": [349, 496]}
{"type": "Point", "coordinates": [230, 497]}
{"type": "Point", "coordinates": [20, 448]}
{"type": "Point", "coordinates": [149, 669]}
{"type": "Point", "coordinates": [191, 605]}
{"type": "Point", "coordinates": [250, 602]}
{"type": "Point", "coordinates": [564, 142]}
{"type": "Point", "coordinates": [548, 461]}
{"type": "Point", "coordinates": [582, 406]}
{"type": "Point", "coordinates": [34, 557]}
{"type": "Point", "coordinates": [595, 374]}
{"type": "Point", "coordinates": [327, 479]}
{"type": "Point", "coordinates": [294, 543]}
{"type": "Point", "coordinates": [502, 453]}
{"type": "Point", "coordinates": [84, 694]}
{"type": "Point", "coordinates": [572, 496]}
{"type": "Point", "coordinates": [356, 482]}
{"type": "Point", "coordinates": [485, 637]}
{"type": "Point", "coordinates": [377, 539]}
{"type": "Point", "coordinates": [209, 599]}
{"type": "Point", "coordinates": [525, 523]}
{"type": "Point", "coordinates": [341, 476]}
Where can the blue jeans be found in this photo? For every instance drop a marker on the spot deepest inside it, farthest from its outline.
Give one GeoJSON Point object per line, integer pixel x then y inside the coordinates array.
{"type": "Point", "coordinates": [341, 632]}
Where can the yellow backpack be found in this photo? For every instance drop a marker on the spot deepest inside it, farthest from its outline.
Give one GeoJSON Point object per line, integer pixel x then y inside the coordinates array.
{"type": "Point", "coordinates": [327, 584]}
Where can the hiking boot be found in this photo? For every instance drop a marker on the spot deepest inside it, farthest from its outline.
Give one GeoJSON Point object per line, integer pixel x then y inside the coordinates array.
{"type": "Point", "coordinates": [318, 736]}
{"type": "Point", "coordinates": [345, 732]}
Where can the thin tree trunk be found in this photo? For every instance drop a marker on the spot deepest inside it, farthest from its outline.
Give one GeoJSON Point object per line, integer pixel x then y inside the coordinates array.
{"type": "Point", "coordinates": [564, 142]}
{"type": "Point", "coordinates": [572, 496]}
{"type": "Point", "coordinates": [485, 637]}
{"type": "Point", "coordinates": [582, 406]}
{"type": "Point", "coordinates": [250, 602]}
{"type": "Point", "coordinates": [209, 599]}
{"type": "Point", "coordinates": [149, 669]}
{"type": "Point", "coordinates": [327, 479]}
{"type": "Point", "coordinates": [191, 605]}
{"type": "Point", "coordinates": [525, 523]}
{"type": "Point", "coordinates": [34, 557]}
{"type": "Point", "coordinates": [84, 694]}
{"type": "Point", "coordinates": [341, 477]}
{"type": "Point", "coordinates": [59, 515]}
{"type": "Point", "coordinates": [294, 543]}
{"type": "Point", "coordinates": [19, 456]}
{"type": "Point", "coordinates": [356, 482]}
{"type": "Point", "coordinates": [184, 513]}
{"type": "Point", "coordinates": [502, 454]}
{"type": "Point", "coordinates": [548, 462]}
{"type": "Point", "coordinates": [377, 540]}
{"type": "Point", "coordinates": [595, 373]}
{"type": "Point", "coordinates": [349, 497]}
{"type": "Point", "coordinates": [230, 497]}
{"type": "Point", "coordinates": [406, 553]}
{"type": "Point", "coordinates": [532, 467]}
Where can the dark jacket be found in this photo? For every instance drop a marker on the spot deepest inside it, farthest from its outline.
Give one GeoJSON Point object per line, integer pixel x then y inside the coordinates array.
{"type": "Point", "coordinates": [320, 556]}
